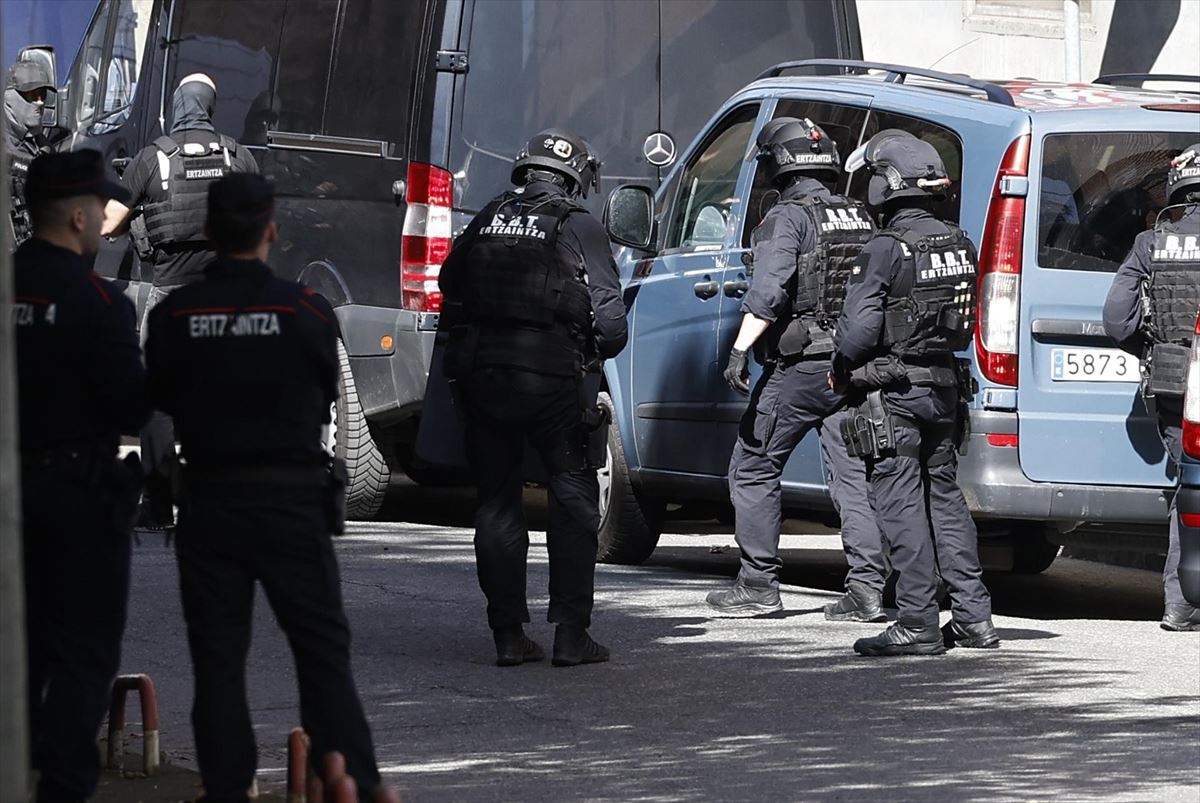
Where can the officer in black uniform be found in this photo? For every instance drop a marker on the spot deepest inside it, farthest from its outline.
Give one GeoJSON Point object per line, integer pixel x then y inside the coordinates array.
{"type": "Point", "coordinates": [909, 307]}
{"type": "Point", "coordinates": [532, 304]}
{"type": "Point", "coordinates": [802, 252]}
{"type": "Point", "coordinates": [29, 84]}
{"type": "Point", "coordinates": [169, 180]}
{"type": "Point", "coordinates": [1151, 312]}
{"type": "Point", "coordinates": [81, 384]}
{"type": "Point", "coordinates": [246, 365]}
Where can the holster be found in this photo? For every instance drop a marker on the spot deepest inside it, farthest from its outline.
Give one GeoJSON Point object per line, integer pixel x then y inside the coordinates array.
{"type": "Point", "coordinates": [879, 373]}
{"type": "Point", "coordinates": [794, 340]}
{"type": "Point", "coordinates": [595, 435]}
{"type": "Point", "coordinates": [335, 494]}
{"type": "Point", "coordinates": [968, 387]}
{"type": "Point", "coordinates": [1165, 371]}
{"type": "Point", "coordinates": [869, 431]}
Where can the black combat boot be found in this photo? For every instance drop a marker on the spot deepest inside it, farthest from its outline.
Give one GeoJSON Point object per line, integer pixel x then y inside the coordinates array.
{"type": "Point", "coordinates": [573, 646]}
{"type": "Point", "coordinates": [901, 639]}
{"type": "Point", "coordinates": [743, 600]}
{"type": "Point", "coordinates": [978, 635]}
{"type": "Point", "coordinates": [514, 648]}
{"type": "Point", "coordinates": [1181, 617]}
{"type": "Point", "coordinates": [858, 604]}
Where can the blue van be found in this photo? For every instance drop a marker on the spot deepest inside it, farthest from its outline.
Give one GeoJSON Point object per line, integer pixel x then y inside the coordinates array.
{"type": "Point", "coordinates": [1052, 181]}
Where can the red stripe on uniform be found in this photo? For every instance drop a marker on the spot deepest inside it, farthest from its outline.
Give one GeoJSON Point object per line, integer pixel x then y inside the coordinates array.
{"type": "Point", "coordinates": [315, 311]}
{"type": "Point", "coordinates": [99, 284]}
{"type": "Point", "coordinates": [32, 300]}
{"type": "Point", "coordinates": [228, 310]}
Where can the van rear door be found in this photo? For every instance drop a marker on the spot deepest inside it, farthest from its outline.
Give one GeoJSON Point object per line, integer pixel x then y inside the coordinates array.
{"type": "Point", "coordinates": [1081, 416]}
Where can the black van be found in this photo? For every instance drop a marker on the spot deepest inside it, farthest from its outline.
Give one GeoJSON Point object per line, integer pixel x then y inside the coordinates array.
{"type": "Point", "coordinates": [385, 123]}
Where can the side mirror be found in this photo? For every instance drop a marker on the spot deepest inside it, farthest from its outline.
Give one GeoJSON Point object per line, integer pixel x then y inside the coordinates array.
{"type": "Point", "coordinates": [629, 216]}
{"type": "Point", "coordinates": [43, 57]}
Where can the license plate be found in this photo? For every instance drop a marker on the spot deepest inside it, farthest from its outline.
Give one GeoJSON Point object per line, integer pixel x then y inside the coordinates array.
{"type": "Point", "coordinates": [1093, 365]}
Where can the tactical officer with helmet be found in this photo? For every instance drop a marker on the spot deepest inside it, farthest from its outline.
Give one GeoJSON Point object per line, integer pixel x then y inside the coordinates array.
{"type": "Point", "coordinates": [169, 181]}
{"type": "Point", "coordinates": [81, 387]}
{"type": "Point", "coordinates": [532, 305]}
{"type": "Point", "coordinates": [29, 85]}
{"type": "Point", "coordinates": [1151, 312]}
{"type": "Point", "coordinates": [909, 307]}
{"type": "Point", "coordinates": [802, 254]}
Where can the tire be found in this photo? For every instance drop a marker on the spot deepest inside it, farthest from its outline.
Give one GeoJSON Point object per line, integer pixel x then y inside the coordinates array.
{"type": "Point", "coordinates": [629, 525]}
{"type": "Point", "coordinates": [350, 439]}
{"type": "Point", "coordinates": [1032, 553]}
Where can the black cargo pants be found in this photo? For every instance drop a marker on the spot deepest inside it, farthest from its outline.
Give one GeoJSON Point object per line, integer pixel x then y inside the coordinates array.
{"type": "Point", "coordinates": [788, 401]}
{"type": "Point", "coordinates": [917, 495]}
{"type": "Point", "coordinates": [231, 535]}
{"type": "Point", "coordinates": [1170, 427]}
{"type": "Point", "coordinates": [850, 491]}
{"type": "Point", "coordinates": [76, 592]}
{"type": "Point", "coordinates": [504, 410]}
{"type": "Point", "coordinates": [157, 436]}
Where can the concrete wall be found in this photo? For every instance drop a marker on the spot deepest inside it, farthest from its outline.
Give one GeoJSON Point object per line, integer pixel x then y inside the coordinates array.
{"type": "Point", "coordinates": [1023, 38]}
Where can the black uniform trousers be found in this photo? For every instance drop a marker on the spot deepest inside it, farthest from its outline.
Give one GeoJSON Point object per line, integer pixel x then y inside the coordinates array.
{"type": "Point", "coordinates": [505, 409]}
{"type": "Point", "coordinates": [1170, 427]}
{"type": "Point", "coordinates": [914, 500]}
{"type": "Point", "coordinates": [76, 591]}
{"type": "Point", "coordinates": [850, 490]}
{"type": "Point", "coordinates": [788, 401]}
{"type": "Point", "coordinates": [158, 435]}
{"type": "Point", "coordinates": [229, 536]}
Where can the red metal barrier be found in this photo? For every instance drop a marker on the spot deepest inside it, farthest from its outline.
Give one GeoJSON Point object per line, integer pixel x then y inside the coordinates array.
{"type": "Point", "coordinates": [116, 722]}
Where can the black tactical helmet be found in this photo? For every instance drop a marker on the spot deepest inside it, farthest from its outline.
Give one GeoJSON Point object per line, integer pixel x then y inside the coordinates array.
{"type": "Point", "coordinates": [561, 152]}
{"type": "Point", "coordinates": [901, 166]}
{"type": "Point", "coordinates": [1183, 179]}
{"type": "Point", "coordinates": [787, 145]}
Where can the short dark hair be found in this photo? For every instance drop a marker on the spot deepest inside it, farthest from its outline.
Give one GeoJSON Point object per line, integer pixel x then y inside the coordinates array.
{"type": "Point", "coordinates": [240, 207]}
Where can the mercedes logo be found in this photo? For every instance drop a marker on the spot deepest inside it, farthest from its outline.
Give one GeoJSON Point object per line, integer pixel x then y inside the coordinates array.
{"type": "Point", "coordinates": [659, 149]}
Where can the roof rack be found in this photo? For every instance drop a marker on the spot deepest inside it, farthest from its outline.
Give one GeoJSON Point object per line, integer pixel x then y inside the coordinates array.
{"type": "Point", "coordinates": [1138, 79]}
{"type": "Point", "coordinates": [896, 74]}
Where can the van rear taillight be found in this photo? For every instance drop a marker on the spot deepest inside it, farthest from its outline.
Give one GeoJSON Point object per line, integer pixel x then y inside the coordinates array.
{"type": "Point", "coordinates": [1191, 402]}
{"type": "Point", "coordinates": [426, 239]}
{"type": "Point", "coordinates": [1000, 272]}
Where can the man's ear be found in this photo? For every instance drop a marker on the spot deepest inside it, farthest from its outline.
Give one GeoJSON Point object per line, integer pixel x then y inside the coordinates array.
{"type": "Point", "coordinates": [79, 217]}
{"type": "Point", "coordinates": [272, 232]}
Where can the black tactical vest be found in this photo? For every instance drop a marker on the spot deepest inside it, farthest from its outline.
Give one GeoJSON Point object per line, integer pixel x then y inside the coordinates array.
{"type": "Point", "coordinates": [18, 168]}
{"type": "Point", "coordinates": [176, 223]}
{"type": "Point", "coordinates": [534, 308]}
{"type": "Point", "coordinates": [938, 317]}
{"type": "Point", "coordinates": [1174, 286]}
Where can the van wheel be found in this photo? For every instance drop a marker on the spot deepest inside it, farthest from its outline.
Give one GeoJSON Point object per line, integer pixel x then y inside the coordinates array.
{"type": "Point", "coordinates": [1032, 553]}
{"type": "Point", "coordinates": [349, 437]}
{"type": "Point", "coordinates": [629, 526]}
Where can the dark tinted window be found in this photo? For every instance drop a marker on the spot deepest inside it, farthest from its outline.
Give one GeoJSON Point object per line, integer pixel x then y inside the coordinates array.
{"type": "Point", "coordinates": [375, 69]}
{"type": "Point", "coordinates": [707, 191]}
{"type": "Point", "coordinates": [944, 141]}
{"type": "Point", "coordinates": [234, 43]}
{"type": "Point", "coordinates": [87, 83]}
{"type": "Point", "coordinates": [843, 124]}
{"type": "Point", "coordinates": [1098, 192]}
{"type": "Point", "coordinates": [580, 64]}
{"type": "Point", "coordinates": [302, 68]}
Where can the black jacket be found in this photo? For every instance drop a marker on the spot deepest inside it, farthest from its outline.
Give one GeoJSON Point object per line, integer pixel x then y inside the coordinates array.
{"type": "Point", "coordinates": [582, 240]}
{"type": "Point", "coordinates": [247, 365]}
{"type": "Point", "coordinates": [881, 271]}
{"type": "Point", "coordinates": [79, 369]}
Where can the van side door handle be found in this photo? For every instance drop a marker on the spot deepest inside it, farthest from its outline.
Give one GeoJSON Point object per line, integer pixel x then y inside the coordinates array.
{"type": "Point", "coordinates": [736, 289]}
{"type": "Point", "coordinates": [705, 290]}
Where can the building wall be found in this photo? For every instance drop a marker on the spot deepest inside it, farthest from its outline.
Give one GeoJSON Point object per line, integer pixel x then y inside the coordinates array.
{"type": "Point", "coordinates": [1024, 38]}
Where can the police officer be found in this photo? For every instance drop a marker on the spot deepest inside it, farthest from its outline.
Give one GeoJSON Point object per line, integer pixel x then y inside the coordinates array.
{"type": "Point", "coordinates": [532, 304]}
{"type": "Point", "coordinates": [81, 385]}
{"type": "Point", "coordinates": [909, 307]}
{"type": "Point", "coordinates": [1151, 312]}
{"type": "Point", "coordinates": [29, 84]}
{"type": "Point", "coordinates": [168, 181]}
{"type": "Point", "coordinates": [246, 364]}
{"type": "Point", "coordinates": [802, 252]}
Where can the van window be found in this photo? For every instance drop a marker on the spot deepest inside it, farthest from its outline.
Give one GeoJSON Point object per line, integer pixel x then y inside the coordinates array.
{"type": "Point", "coordinates": [585, 66]}
{"type": "Point", "coordinates": [302, 67]}
{"type": "Point", "coordinates": [844, 124]}
{"type": "Point", "coordinates": [88, 81]}
{"type": "Point", "coordinates": [707, 190]}
{"type": "Point", "coordinates": [944, 141]}
{"type": "Point", "coordinates": [235, 44]}
{"type": "Point", "coordinates": [124, 67]}
{"type": "Point", "coordinates": [1098, 192]}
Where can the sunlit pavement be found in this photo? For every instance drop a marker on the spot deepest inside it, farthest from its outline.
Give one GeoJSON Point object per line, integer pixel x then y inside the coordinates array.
{"type": "Point", "coordinates": [1087, 699]}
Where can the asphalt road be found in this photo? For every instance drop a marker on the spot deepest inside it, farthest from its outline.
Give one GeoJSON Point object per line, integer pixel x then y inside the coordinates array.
{"type": "Point", "coordinates": [1086, 700]}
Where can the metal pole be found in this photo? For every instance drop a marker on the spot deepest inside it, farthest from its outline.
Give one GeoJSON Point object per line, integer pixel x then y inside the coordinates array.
{"type": "Point", "coordinates": [14, 731]}
{"type": "Point", "coordinates": [1071, 40]}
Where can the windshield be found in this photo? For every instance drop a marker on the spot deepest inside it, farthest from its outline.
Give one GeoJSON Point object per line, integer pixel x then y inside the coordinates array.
{"type": "Point", "coordinates": [1098, 192]}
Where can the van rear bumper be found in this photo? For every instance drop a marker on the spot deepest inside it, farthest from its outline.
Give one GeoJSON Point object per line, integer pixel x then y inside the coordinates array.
{"type": "Point", "coordinates": [995, 487]}
{"type": "Point", "coordinates": [390, 382]}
